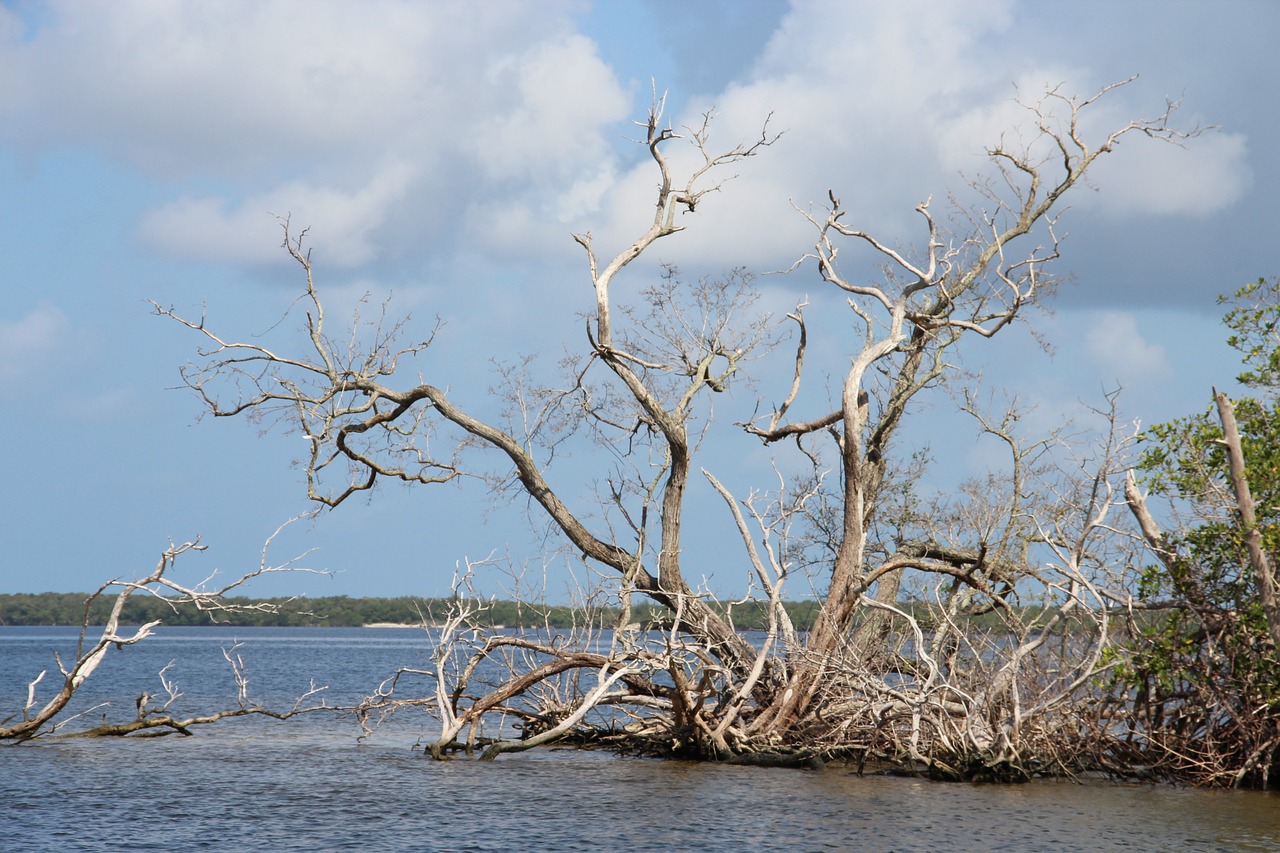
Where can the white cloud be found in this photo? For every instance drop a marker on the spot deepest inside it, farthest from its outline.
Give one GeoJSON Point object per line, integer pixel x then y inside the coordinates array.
{"type": "Point", "coordinates": [234, 85]}
{"type": "Point", "coordinates": [551, 98]}
{"type": "Point", "coordinates": [1140, 175]}
{"type": "Point", "coordinates": [585, 197]}
{"type": "Point", "coordinates": [344, 224]}
{"type": "Point", "coordinates": [1003, 117]}
{"type": "Point", "coordinates": [865, 95]}
{"type": "Point", "coordinates": [1114, 343]}
{"type": "Point", "coordinates": [1147, 176]}
{"type": "Point", "coordinates": [355, 117]}
{"type": "Point", "coordinates": [886, 104]}
{"type": "Point", "coordinates": [29, 343]}
{"type": "Point", "coordinates": [422, 131]}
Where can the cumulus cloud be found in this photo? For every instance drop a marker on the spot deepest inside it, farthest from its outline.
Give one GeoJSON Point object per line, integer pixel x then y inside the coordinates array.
{"type": "Point", "coordinates": [1140, 176]}
{"type": "Point", "coordinates": [865, 108]}
{"type": "Point", "coordinates": [29, 343]}
{"type": "Point", "coordinates": [344, 224]}
{"type": "Point", "coordinates": [228, 87]}
{"type": "Point", "coordinates": [1115, 344]}
{"type": "Point", "coordinates": [887, 111]}
{"type": "Point", "coordinates": [423, 131]}
{"type": "Point", "coordinates": [351, 116]}
{"type": "Point", "coordinates": [1198, 179]}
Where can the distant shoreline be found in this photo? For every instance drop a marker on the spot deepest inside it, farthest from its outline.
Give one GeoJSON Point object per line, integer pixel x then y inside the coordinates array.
{"type": "Point", "coordinates": [54, 608]}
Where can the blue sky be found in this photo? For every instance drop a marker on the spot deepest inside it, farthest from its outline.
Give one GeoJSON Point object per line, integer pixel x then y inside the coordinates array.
{"type": "Point", "coordinates": [444, 152]}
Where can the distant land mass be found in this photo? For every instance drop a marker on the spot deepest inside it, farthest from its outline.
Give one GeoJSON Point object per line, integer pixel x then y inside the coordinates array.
{"type": "Point", "coordinates": [68, 608]}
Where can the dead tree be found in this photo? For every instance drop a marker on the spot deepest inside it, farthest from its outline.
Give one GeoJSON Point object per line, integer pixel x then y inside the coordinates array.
{"type": "Point", "coordinates": [963, 284]}
{"type": "Point", "coordinates": [642, 387]}
{"type": "Point", "coordinates": [340, 401]}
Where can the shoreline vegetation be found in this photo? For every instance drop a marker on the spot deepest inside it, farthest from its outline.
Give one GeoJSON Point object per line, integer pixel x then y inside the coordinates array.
{"type": "Point", "coordinates": [51, 609]}
{"type": "Point", "coordinates": [54, 609]}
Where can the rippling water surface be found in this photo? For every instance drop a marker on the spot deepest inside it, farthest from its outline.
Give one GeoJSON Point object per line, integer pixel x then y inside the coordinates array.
{"type": "Point", "coordinates": [308, 784]}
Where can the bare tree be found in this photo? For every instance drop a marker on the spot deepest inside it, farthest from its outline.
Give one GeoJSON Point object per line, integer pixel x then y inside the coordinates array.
{"type": "Point", "coordinates": [965, 284]}
{"type": "Point", "coordinates": [643, 388]}
{"type": "Point", "coordinates": [338, 399]}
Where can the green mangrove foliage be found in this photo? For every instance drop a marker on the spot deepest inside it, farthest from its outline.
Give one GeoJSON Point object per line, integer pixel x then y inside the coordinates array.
{"type": "Point", "coordinates": [1206, 674]}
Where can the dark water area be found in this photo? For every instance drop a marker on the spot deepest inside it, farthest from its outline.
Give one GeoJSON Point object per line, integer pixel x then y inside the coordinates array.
{"type": "Point", "coordinates": [310, 784]}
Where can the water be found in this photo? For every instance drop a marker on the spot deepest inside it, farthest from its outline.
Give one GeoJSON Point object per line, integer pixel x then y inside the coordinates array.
{"type": "Point", "coordinates": [309, 784]}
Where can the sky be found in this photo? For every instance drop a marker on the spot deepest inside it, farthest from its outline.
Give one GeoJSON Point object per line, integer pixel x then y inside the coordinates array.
{"type": "Point", "coordinates": [442, 153]}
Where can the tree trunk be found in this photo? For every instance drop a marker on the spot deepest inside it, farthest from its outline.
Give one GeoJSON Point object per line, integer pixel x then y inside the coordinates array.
{"type": "Point", "coordinates": [1263, 571]}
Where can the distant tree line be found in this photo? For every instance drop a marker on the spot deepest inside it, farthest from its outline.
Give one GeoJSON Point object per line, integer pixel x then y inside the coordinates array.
{"type": "Point", "coordinates": [68, 608]}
